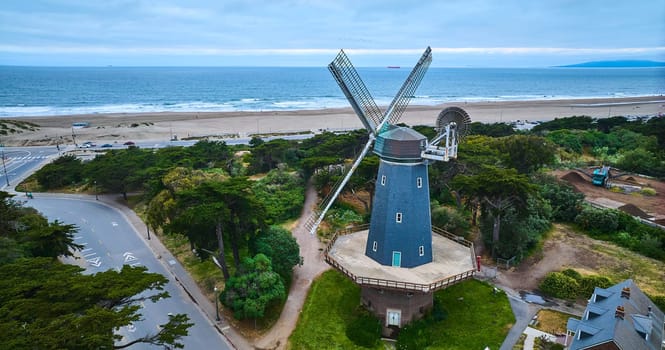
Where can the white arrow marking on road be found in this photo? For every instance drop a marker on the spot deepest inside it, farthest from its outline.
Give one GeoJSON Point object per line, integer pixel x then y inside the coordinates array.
{"type": "Point", "coordinates": [96, 262]}
{"type": "Point", "coordinates": [114, 223]}
{"type": "Point", "coordinates": [129, 257]}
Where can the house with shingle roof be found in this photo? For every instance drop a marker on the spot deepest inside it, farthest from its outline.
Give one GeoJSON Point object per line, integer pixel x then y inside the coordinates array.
{"type": "Point", "coordinates": [618, 317]}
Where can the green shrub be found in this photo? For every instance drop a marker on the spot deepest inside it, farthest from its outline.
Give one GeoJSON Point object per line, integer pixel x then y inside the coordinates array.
{"type": "Point", "coordinates": [589, 283]}
{"type": "Point", "coordinates": [364, 330]}
{"type": "Point", "coordinates": [451, 220]}
{"type": "Point", "coordinates": [572, 273]}
{"type": "Point", "coordinates": [416, 335]}
{"type": "Point", "coordinates": [560, 285]}
{"type": "Point", "coordinates": [598, 220]}
{"type": "Point", "coordinates": [648, 191]}
{"type": "Point", "coordinates": [659, 300]}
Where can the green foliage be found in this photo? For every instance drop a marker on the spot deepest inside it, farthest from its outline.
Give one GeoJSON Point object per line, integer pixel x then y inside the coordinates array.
{"type": "Point", "coordinates": [568, 139]}
{"type": "Point", "coordinates": [526, 153]}
{"type": "Point", "coordinates": [570, 284]}
{"type": "Point", "coordinates": [451, 220]}
{"type": "Point", "coordinates": [364, 330]}
{"type": "Point", "coordinates": [255, 287]}
{"type": "Point", "coordinates": [575, 122]}
{"type": "Point", "coordinates": [659, 300]}
{"type": "Point", "coordinates": [589, 283]}
{"type": "Point", "coordinates": [562, 198]}
{"type": "Point", "coordinates": [282, 194]}
{"type": "Point", "coordinates": [598, 220]}
{"type": "Point", "coordinates": [63, 171]}
{"type": "Point", "coordinates": [416, 335]}
{"type": "Point", "coordinates": [648, 191]}
{"type": "Point", "coordinates": [641, 161]}
{"type": "Point", "coordinates": [26, 233]}
{"type": "Point", "coordinates": [43, 300]}
{"type": "Point", "coordinates": [283, 250]}
{"type": "Point", "coordinates": [560, 285]}
{"type": "Point", "coordinates": [491, 129]}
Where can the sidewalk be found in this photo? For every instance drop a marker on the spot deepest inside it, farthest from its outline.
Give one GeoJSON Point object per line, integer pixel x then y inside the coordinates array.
{"type": "Point", "coordinates": [532, 334]}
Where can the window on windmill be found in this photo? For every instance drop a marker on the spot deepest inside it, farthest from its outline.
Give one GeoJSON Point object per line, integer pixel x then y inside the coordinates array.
{"type": "Point", "coordinates": [398, 217]}
{"type": "Point", "coordinates": [421, 250]}
{"type": "Point", "coordinates": [419, 182]}
{"type": "Point", "coordinates": [374, 246]}
{"type": "Point", "coordinates": [383, 180]}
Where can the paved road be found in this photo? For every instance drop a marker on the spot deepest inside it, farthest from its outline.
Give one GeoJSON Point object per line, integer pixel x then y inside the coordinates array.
{"type": "Point", "coordinates": [110, 242]}
{"type": "Point", "coordinates": [19, 161]}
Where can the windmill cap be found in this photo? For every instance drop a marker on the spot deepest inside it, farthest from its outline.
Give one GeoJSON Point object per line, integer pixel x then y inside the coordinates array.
{"type": "Point", "coordinates": [400, 143]}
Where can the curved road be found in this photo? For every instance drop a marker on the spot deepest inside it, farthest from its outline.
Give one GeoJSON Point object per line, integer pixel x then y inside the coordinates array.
{"type": "Point", "coordinates": [110, 242]}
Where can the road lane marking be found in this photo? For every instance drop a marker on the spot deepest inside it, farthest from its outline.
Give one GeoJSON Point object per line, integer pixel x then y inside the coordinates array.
{"type": "Point", "coordinates": [129, 256]}
{"type": "Point", "coordinates": [86, 250]}
{"type": "Point", "coordinates": [114, 223]}
{"type": "Point", "coordinates": [91, 254]}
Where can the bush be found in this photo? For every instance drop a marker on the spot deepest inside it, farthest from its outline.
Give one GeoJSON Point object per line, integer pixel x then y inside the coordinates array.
{"type": "Point", "coordinates": [572, 273]}
{"type": "Point", "coordinates": [648, 191]}
{"type": "Point", "coordinates": [560, 285]}
{"type": "Point", "coordinates": [598, 220]}
{"type": "Point", "coordinates": [451, 220]}
{"type": "Point", "coordinates": [589, 283]}
{"type": "Point", "coordinates": [364, 330]}
{"type": "Point", "coordinates": [414, 336]}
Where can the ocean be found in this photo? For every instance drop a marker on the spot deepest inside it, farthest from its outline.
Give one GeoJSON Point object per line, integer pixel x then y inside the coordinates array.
{"type": "Point", "coordinates": [49, 91]}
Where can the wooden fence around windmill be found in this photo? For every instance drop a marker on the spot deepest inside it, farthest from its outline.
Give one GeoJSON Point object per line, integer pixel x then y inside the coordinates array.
{"type": "Point", "coordinates": [399, 285]}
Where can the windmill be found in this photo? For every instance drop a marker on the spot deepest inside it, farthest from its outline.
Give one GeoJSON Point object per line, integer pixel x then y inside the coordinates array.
{"type": "Point", "coordinates": [398, 261]}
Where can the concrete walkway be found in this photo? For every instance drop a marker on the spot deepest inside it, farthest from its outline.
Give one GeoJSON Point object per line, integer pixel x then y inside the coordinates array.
{"type": "Point", "coordinates": [532, 334]}
{"type": "Point", "coordinates": [313, 266]}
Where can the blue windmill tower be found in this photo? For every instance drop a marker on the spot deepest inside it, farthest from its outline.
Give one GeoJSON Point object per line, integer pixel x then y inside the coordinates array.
{"type": "Point", "coordinates": [398, 261]}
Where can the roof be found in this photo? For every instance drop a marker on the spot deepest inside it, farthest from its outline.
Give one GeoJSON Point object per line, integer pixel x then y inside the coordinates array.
{"type": "Point", "coordinates": [400, 144]}
{"type": "Point", "coordinates": [621, 314]}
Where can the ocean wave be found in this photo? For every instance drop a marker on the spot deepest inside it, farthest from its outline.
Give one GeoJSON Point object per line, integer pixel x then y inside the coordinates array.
{"type": "Point", "coordinates": [258, 105]}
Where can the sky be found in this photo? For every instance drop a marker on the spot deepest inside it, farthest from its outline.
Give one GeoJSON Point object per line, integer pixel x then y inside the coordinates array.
{"type": "Point", "coordinates": [462, 33]}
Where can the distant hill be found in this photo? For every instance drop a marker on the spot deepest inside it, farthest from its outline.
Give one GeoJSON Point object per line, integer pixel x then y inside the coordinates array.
{"type": "Point", "coordinates": [617, 64]}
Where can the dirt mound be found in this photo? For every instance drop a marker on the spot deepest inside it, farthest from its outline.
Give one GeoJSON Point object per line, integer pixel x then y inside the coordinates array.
{"type": "Point", "coordinates": [661, 222]}
{"type": "Point", "coordinates": [630, 179]}
{"type": "Point", "coordinates": [634, 211]}
{"type": "Point", "coordinates": [575, 179]}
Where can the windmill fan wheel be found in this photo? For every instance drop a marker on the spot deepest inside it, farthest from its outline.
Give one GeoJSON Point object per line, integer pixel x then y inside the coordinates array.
{"type": "Point", "coordinates": [456, 116]}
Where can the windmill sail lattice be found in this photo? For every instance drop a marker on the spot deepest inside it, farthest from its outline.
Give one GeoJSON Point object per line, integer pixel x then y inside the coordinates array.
{"type": "Point", "coordinates": [369, 113]}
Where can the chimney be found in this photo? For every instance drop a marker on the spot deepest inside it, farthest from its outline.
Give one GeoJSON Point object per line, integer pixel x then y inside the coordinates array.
{"type": "Point", "coordinates": [649, 313]}
{"type": "Point", "coordinates": [619, 312]}
{"type": "Point", "coordinates": [625, 292]}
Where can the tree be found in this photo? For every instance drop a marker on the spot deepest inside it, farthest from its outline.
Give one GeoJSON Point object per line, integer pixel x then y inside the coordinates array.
{"type": "Point", "coordinates": [223, 208]}
{"type": "Point", "coordinates": [282, 248]}
{"type": "Point", "coordinates": [45, 304]}
{"type": "Point", "coordinates": [498, 190]}
{"type": "Point", "coordinates": [253, 288]}
{"type": "Point", "coordinates": [526, 153]}
{"type": "Point", "coordinates": [62, 172]}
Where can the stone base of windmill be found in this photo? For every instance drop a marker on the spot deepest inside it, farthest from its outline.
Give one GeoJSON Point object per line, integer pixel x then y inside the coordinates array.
{"type": "Point", "coordinates": [397, 295]}
{"type": "Point", "coordinates": [395, 308]}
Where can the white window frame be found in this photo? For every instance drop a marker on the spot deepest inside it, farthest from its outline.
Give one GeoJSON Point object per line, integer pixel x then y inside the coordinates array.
{"type": "Point", "coordinates": [419, 182]}
{"type": "Point", "coordinates": [374, 246]}
{"type": "Point", "coordinates": [421, 250]}
{"type": "Point", "coordinates": [398, 217]}
{"type": "Point", "coordinates": [383, 180]}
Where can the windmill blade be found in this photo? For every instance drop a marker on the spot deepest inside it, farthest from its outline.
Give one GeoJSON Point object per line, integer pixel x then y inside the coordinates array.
{"type": "Point", "coordinates": [405, 93]}
{"type": "Point", "coordinates": [355, 91]}
{"type": "Point", "coordinates": [340, 185]}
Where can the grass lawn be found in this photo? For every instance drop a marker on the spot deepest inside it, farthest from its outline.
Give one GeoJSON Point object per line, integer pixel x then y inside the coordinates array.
{"type": "Point", "coordinates": [476, 316]}
{"type": "Point", "coordinates": [552, 322]}
{"type": "Point", "coordinates": [331, 304]}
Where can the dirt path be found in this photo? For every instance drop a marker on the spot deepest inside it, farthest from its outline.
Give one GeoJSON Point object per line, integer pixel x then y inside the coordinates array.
{"type": "Point", "coordinates": [313, 266]}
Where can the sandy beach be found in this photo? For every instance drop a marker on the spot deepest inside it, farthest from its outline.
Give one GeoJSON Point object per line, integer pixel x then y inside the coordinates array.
{"type": "Point", "coordinates": [121, 127]}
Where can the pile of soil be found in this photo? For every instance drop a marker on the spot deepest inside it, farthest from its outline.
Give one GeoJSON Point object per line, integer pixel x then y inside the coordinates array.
{"type": "Point", "coordinates": [634, 211]}
{"type": "Point", "coordinates": [574, 178]}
